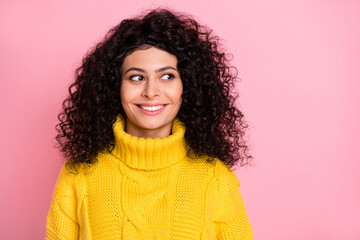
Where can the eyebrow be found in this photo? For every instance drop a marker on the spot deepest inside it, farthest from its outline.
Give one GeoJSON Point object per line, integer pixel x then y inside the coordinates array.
{"type": "Point", "coordinates": [142, 70]}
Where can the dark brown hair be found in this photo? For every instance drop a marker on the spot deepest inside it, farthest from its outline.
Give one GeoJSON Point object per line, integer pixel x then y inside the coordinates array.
{"type": "Point", "coordinates": [214, 125]}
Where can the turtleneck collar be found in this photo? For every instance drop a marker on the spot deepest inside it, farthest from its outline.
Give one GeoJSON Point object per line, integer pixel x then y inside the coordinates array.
{"type": "Point", "coordinates": [149, 153]}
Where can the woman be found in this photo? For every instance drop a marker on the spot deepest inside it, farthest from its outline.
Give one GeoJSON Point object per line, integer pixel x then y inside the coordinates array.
{"type": "Point", "coordinates": [151, 131]}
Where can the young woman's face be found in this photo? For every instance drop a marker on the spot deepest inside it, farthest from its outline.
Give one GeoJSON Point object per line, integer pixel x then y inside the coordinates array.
{"type": "Point", "coordinates": [150, 92]}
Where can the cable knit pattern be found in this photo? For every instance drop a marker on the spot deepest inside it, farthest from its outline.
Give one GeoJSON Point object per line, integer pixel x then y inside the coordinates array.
{"type": "Point", "coordinates": [148, 189]}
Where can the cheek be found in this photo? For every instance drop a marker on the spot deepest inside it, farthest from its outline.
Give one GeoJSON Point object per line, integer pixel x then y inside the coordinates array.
{"type": "Point", "coordinates": [126, 93]}
{"type": "Point", "coordinates": [180, 92]}
{"type": "Point", "coordinates": [177, 92]}
{"type": "Point", "coordinates": [122, 95]}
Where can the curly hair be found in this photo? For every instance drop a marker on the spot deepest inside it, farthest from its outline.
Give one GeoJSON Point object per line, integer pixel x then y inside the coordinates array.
{"type": "Point", "coordinates": [215, 127]}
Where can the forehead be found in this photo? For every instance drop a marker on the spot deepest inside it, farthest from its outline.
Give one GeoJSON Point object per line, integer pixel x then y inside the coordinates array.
{"type": "Point", "coordinates": [150, 58]}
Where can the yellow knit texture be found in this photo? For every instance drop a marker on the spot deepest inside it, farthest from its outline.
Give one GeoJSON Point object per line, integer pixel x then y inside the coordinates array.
{"type": "Point", "coordinates": [148, 189]}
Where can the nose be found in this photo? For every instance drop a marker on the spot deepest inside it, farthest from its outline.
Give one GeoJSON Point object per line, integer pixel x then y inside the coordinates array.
{"type": "Point", "coordinates": [151, 89]}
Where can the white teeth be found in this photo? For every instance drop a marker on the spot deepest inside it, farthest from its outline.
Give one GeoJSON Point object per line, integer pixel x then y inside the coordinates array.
{"type": "Point", "coordinates": [153, 108]}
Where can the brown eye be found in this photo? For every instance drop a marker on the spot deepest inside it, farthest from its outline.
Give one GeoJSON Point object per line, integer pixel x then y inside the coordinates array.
{"type": "Point", "coordinates": [168, 76]}
{"type": "Point", "coordinates": [136, 78]}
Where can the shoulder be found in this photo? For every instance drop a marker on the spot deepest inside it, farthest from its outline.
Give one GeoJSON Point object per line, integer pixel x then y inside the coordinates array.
{"type": "Point", "coordinates": [70, 172]}
{"type": "Point", "coordinates": [225, 192]}
{"type": "Point", "coordinates": [216, 169]}
{"type": "Point", "coordinates": [72, 179]}
{"type": "Point", "coordinates": [68, 181]}
{"type": "Point", "coordinates": [225, 174]}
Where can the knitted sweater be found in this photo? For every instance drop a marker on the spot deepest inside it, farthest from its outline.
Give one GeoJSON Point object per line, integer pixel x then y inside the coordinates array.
{"type": "Point", "coordinates": [148, 189]}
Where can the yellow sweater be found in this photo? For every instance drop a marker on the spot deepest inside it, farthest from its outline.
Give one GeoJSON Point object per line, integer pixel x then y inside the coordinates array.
{"type": "Point", "coordinates": [148, 189]}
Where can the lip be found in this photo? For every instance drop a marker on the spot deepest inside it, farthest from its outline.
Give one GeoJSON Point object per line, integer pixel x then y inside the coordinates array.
{"type": "Point", "coordinates": [152, 113]}
{"type": "Point", "coordinates": [150, 104]}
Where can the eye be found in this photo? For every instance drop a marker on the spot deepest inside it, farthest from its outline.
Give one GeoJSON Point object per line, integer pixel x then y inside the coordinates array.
{"type": "Point", "coordinates": [136, 78]}
{"type": "Point", "coordinates": [168, 76]}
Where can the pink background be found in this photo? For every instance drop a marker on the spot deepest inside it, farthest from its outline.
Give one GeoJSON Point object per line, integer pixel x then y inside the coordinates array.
{"type": "Point", "coordinates": [299, 65]}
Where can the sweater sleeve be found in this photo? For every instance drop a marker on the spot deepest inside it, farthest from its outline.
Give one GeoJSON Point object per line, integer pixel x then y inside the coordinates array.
{"type": "Point", "coordinates": [62, 222]}
{"type": "Point", "coordinates": [233, 222]}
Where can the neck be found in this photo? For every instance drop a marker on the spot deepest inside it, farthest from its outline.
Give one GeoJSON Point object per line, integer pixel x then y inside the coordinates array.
{"type": "Point", "coordinates": [140, 132]}
{"type": "Point", "coordinates": [149, 153]}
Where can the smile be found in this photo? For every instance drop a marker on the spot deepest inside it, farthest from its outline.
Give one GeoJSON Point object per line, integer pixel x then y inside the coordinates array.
{"type": "Point", "coordinates": [151, 108]}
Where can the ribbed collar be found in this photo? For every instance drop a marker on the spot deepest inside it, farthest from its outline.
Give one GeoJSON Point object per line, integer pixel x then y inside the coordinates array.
{"type": "Point", "coordinates": [149, 153]}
